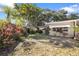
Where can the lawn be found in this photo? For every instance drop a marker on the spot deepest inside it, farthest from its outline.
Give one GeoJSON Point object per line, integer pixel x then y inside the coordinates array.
{"type": "Point", "coordinates": [43, 47]}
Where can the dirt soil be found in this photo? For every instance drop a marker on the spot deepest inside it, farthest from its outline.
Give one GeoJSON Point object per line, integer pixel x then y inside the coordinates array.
{"type": "Point", "coordinates": [33, 47]}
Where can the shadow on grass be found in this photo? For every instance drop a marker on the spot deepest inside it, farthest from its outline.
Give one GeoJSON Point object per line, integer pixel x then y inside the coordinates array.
{"type": "Point", "coordinates": [61, 42]}
{"type": "Point", "coordinates": [7, 50]}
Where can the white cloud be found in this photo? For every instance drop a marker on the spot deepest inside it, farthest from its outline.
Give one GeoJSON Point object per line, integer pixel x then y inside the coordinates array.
{"type": "Point", "coordinates": [68, 9]}
{"type": "Point", "coordinates": [1, 10]}
{"type": "Point", "coordinates": [75, 5]}
{"type": "Point", "coordinates": [72, 8]}
{"type": "Point", "coordinates": [8, 4]}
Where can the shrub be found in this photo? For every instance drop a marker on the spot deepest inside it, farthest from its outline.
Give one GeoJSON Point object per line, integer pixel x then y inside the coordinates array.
{"type": "Point", "coordinates": [9, 34]}
{"type": "Point", "coordinates": [31, 31]}
{"type": "Point", "coordinates": [39, 31]}
{"type": "Point", "coordinates": [25, 32]}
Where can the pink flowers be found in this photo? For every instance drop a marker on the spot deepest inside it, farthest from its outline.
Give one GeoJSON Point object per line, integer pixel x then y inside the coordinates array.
{"type": "Point", "coordinates": [9, 32]}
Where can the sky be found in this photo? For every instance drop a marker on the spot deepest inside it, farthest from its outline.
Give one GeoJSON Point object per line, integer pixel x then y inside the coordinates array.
{"type": "Point", "coordinates": [70, 7]}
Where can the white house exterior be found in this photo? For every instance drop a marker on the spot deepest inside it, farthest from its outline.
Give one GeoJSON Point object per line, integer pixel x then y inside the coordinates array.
{"type": "Point", "coordinates": [63, 28]}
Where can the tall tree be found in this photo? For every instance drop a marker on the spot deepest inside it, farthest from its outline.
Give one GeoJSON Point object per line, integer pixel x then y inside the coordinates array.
{"type": "Point", "coordinates": [60, 15]}
{"type": "Point", "coordinates": [8, 12]}
{"type": "Point", "coordinates": [73, 16]}
{"type": "Point", "coordinates": [29, 12]}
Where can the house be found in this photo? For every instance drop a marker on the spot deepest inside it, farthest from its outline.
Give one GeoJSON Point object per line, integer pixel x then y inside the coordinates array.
{"type": "Point", "coordinates": [63, 28]}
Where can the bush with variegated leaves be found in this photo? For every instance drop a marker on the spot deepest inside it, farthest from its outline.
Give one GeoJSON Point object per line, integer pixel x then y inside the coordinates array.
{"type": "Point", "coordinates": [9, 34]}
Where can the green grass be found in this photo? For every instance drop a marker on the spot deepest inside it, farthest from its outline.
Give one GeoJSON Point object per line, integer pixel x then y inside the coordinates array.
{"type": "Point", "coordinates": [38, 36]}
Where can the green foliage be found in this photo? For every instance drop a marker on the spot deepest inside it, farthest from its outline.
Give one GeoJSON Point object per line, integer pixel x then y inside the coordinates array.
{"type": "Point", "coordinates": [73, 16]}
{"type": "Point", "coordinates": [8, 12]}
{"type": "Point", "coordinates": [3, 23]}
{"type": "Point", "coordinates": [9, 34]}
{"type": "Point", "coordinates": [29, 12]}
{"type": "Point", "coordinates": [31, 31]}
{"type": "Point", "coordinates": [19, 22]}
{"type": "Point", "coordinates": [76, 29]}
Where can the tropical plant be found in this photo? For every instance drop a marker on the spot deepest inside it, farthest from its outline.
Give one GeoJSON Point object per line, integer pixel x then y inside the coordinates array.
{"type": "Point", "coordinates": [7, 11]}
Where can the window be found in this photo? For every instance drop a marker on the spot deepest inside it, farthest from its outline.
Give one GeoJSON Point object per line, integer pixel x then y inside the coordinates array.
{"type": "Point", "coordinates": [54, 29]}
{"type": "Point", "coordinates": [60, 29]}
{"type": "Point", "coordinates": [57, 29]}
{"type": "Point", "coordinates": [65, 28]}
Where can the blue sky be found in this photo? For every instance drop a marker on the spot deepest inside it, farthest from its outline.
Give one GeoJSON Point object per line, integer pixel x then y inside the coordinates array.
{"type": "Point", "coordinates": [54, 6]}
{"type": "Point", "coordinates": [70, 7]}
{"type": "Point", "coordinates": [2, 15]}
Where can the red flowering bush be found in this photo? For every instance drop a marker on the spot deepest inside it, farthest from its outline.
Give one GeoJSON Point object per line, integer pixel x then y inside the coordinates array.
{"type": "Point", "coordinates": [9, 34]}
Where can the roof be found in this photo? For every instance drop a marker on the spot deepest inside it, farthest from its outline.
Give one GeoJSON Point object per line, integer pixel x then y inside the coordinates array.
{"type": "Point", "coordinates": [61, 22]}
{"type": "Point", "coordinates": [65, 23]}
{"type": "Point", "coordinates": [60, 26]}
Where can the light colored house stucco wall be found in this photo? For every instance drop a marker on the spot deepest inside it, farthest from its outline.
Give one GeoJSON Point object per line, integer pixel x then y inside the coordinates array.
{"type": "Point", "coordinates": [70, 24]}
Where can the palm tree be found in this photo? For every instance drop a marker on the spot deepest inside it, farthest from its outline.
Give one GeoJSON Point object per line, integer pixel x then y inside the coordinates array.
{"type": "Point", "coordinates": [7, 11]}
